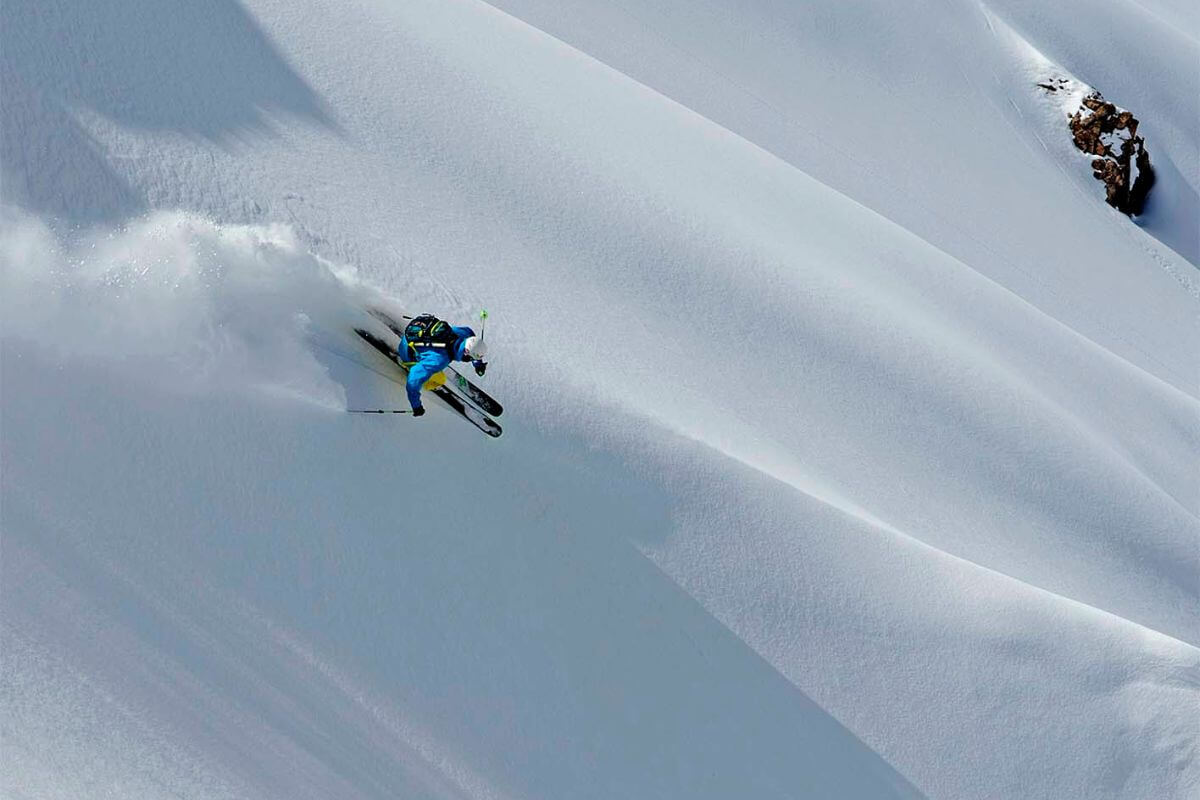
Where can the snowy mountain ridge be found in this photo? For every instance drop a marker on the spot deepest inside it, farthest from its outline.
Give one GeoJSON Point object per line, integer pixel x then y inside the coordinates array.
{"type": "Point", "coordinates": [850, 438]}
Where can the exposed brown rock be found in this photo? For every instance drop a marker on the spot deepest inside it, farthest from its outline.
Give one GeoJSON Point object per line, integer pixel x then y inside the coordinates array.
{"type": "Point", "coordinates": [1099, 128]}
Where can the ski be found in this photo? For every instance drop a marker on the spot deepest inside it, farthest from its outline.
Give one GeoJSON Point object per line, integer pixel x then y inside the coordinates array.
{"type": "Point", "coordinates": [485, 402]}
{"type": "Point", "coordinates": [470, 413]}
{"type": "Point", "coordinates": [478, 418]}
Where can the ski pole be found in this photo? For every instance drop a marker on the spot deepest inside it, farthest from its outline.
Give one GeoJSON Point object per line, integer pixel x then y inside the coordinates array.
{"type": "Point", "coordinates": [378, 411]}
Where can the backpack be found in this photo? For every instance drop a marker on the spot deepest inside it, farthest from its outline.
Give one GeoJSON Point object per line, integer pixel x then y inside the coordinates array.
{"type": "Point", "coordinates": [426, 332]}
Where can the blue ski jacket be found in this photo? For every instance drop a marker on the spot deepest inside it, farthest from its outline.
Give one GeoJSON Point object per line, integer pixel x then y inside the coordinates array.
{"type": "Point", "coordinates": [430, 361]}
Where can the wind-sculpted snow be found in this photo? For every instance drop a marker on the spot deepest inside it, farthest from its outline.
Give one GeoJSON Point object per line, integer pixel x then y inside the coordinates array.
{"type": "Point", "coordinates": [850, 440]}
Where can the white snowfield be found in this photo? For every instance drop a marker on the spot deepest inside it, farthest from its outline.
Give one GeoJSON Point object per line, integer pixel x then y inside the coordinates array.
{"type": "Point", "coordinates": [852, 443]}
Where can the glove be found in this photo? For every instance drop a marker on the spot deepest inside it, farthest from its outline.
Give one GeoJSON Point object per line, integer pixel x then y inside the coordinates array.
{"type": "Point", "coordinates": [419, 411]}
{"type": "Point", "coordinates": [480, 367]}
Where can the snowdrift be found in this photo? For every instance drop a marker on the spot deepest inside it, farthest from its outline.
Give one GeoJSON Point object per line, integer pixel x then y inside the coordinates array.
{"type": "Point", "coordinates": [829, 468]}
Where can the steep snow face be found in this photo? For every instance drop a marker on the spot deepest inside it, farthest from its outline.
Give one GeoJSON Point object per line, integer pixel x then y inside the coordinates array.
{"type": "Point", "coordinates": [851, 440]}
{"type": "Point", "coordinates": [933, 119]}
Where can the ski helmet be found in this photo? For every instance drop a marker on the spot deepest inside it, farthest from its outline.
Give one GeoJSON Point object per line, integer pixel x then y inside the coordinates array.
{"type": "Point", "coordinates": [475, 348]}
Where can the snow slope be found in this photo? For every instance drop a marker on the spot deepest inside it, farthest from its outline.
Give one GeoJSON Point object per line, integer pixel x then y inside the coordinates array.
{"type": "Point", "coordinates": [851, 446]}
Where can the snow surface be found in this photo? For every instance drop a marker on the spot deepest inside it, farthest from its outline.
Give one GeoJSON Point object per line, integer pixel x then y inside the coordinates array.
{"type": "Point", "coordinates": [851, 446]}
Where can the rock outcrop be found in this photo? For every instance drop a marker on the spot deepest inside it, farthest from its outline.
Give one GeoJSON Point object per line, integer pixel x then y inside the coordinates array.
{"type": "Point", "coordinates": [1121, 162]}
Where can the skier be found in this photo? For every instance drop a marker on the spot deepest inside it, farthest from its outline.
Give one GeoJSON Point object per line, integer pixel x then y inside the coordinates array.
{"type": "Point", "coordinates": [427, 347]}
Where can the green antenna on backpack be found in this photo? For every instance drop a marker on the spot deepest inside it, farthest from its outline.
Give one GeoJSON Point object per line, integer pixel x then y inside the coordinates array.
{"type": "Point", "coordinates": [483, 315]}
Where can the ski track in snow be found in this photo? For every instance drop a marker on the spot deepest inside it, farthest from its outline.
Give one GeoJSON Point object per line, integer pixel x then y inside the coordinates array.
{"type": "Point", "coordinates": [842, 456]}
